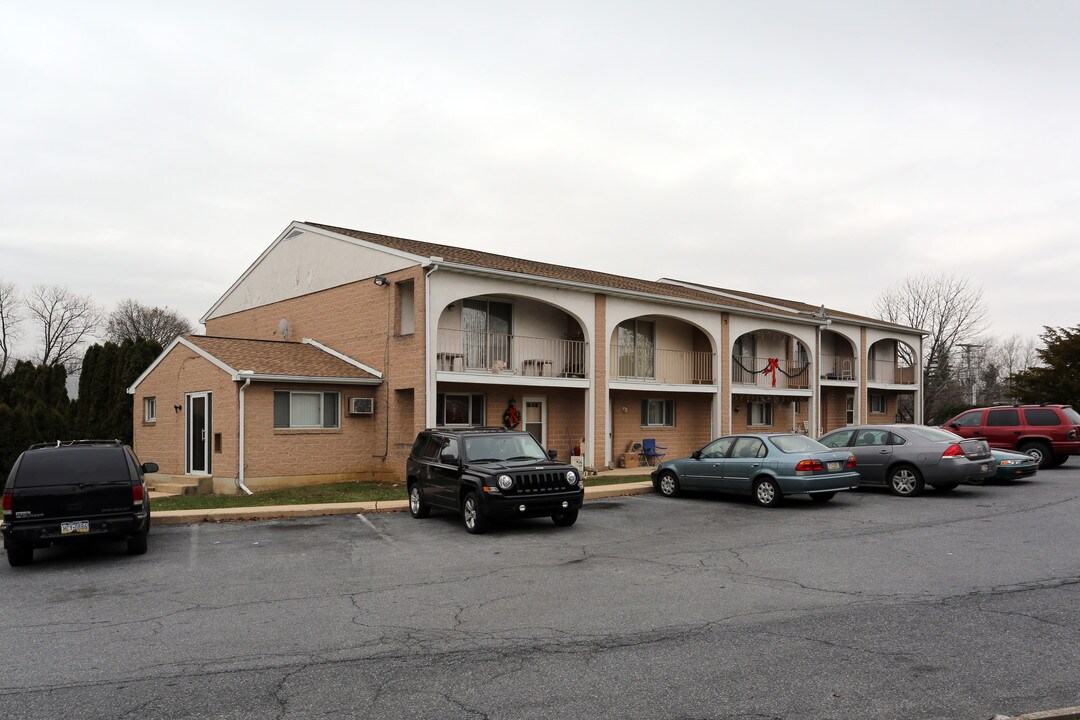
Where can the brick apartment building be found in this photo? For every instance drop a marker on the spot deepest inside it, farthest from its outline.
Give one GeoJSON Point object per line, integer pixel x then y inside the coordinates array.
{"type": "Point", "coordinates": [335, 347]}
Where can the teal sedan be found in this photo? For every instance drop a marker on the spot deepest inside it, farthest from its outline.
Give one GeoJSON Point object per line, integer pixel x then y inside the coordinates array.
{"type": "Point", "coordinates": [1013, 465]}
{"type": "Point", "coordinates": [767, 466]}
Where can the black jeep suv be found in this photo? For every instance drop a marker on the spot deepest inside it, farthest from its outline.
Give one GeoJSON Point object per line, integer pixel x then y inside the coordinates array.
{"type": "Point", "coordinates": [486, 473]}
{"type": "Point", "coordinates": [72, 491]}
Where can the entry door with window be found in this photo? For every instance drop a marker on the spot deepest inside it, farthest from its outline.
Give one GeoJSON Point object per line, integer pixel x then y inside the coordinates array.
{"type": "Point", "coordinates": [536, 418]}
{"type": "Point", "coordinates": [487, 328]}
{"type": "Point", "coordinates": [198, 433]}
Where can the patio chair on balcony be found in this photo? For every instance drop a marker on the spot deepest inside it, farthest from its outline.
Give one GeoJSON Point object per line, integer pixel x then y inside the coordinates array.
{"type": "Point", "coordinates": [651, 451]}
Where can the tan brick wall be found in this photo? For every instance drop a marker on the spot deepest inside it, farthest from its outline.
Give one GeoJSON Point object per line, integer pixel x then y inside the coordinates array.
{"type": "Point", "coordinates": [834, 408]}
{"type": "Point", "coordinates": [162, 442]}
{"type": "Point", "coordinates": [693, 422]}
{"type": "Point", "coordinates": [782, 417]}
{"type": "Point", "coordinates": [889, 416]}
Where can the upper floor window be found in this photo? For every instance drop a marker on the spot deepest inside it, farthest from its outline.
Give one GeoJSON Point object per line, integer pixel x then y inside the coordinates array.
{"type": "Point", "coordinates": [637, 348]}
{"type": "Point", "coordinates": [406, 308]}
{"type": "Point", "coordinates": [306, 409]}
{"type": "Point", "coordinates": [149, 409]}
{"type": "Point", "coordinates": [487, 327]}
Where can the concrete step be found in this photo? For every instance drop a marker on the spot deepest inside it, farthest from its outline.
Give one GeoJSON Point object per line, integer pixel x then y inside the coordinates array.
{"type": "Point", "coordinates": [182, 485]}
{"type": "Point", "coordinates": [155, 494]}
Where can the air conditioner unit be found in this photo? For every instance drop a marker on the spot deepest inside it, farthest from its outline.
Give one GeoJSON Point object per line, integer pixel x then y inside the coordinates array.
{"type": "Point", "coordinates": [361, 406]}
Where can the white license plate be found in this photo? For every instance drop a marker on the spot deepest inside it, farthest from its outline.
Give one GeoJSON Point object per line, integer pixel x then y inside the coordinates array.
{"type": "Point", "coordinates": [78, 526]}
{"type": "Point", "coordinates": [834, 464]}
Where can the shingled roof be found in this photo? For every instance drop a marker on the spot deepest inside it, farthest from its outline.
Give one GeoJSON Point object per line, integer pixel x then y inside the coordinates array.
{"type": "Point", "coordinates": [492, 261]}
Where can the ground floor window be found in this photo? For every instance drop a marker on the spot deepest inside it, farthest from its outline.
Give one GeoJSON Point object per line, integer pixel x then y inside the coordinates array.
{"type": "Point", "coordinates": [306, 409]}
{"type": "Point", "coordinates": [658, 412]}
{"type": "Point", "coordinates": [760, 414]}
{"type": "Point", "coordinates": [877, 404]}
{"type": "Point", "coordinates": [459, 409]}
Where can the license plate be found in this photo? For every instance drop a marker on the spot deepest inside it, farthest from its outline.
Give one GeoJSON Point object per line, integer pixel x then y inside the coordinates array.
{"type": "Point", "coordinates": [834, 465]}
{"type": "Point", "coordinates": [78, 526]}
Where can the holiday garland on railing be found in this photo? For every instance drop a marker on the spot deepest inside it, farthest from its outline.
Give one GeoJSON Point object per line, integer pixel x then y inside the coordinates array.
{"type": "Point", "coordinates": [772, 365]}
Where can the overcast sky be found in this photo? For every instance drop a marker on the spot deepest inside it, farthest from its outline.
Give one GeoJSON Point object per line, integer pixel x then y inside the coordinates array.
{"type": "Point", "coordinates": [816, 151]}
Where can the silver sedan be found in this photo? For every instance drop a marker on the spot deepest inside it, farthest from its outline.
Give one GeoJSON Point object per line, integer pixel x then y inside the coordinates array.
{"type": "Point", "coordinates": [906, 458]}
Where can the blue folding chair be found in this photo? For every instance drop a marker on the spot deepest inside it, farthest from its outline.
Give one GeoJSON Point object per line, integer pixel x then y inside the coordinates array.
{"type": "Point", "coordinates": [650, 451]}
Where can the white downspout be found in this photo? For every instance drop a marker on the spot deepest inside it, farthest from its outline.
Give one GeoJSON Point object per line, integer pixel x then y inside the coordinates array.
{"type": "Point", "coordinates": [240, 474]}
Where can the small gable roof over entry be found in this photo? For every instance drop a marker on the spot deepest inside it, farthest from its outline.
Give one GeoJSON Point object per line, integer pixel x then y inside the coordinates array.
{"type": "Point", "coordinates": [273, 360]}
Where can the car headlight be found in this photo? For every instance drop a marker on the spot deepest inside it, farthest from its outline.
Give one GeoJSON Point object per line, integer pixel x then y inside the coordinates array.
{"type": "Point", "coordinates": [571, 477]}
{"type": "Point", "coordinates": [505, 482]}
{"type": "Point", "coordinates": [1007, 462]}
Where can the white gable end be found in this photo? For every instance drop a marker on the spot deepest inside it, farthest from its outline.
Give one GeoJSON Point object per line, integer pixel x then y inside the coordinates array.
{"type": "Point", "coordinates": [304, 261]}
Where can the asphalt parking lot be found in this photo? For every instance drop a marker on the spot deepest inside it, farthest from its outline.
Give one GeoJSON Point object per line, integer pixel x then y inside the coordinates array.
{"type": "Point", "coordinates": [957, 605]}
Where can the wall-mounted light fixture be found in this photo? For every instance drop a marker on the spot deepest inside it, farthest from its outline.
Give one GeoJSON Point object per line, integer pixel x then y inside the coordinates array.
{"type": "Point", "coordinates": [624, 408]}
{"type": "Point", "coordinates": [177, 408]}
{"type": "Point", "coordinates": [734, 408]}
{"type": "Point", "coordinates": [381, 281]}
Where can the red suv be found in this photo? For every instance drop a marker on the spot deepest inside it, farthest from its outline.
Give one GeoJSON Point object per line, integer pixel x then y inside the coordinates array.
{"type": "Point", "coordinates": [1048, 433]}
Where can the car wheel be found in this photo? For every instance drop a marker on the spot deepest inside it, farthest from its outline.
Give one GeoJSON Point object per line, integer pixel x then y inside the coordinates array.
{"type": "Point", "coordinates": [1059, 460]}
{"type": "Point", "coordinates": [18, 555]}
{"type": "Point", "coordinates": [668, 485]}
{"type": "Point", "coordinates": [767, 493]}
{"type": "Point", "coordinates": [905, 481]}
{"type": "Point", "coordinates": [1040, 452]}
{"type": "Point", "coordinates": [417, 507]}
{"type": "Point", "coordinates": [136, 544]}
{"type": "Point", "coordinates": [946, 487]}
{"type": "Point", "coordinates": [565, 519]}
{"type": "Point", "coordinates": [475, 522]}
{"type": "Point", "coordinates": [822, 497]}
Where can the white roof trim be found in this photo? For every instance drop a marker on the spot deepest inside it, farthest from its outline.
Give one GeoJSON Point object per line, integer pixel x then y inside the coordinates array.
{"type": "Point", "coordinates": [732, 296]}
{"type": "Point", "coordinates": [304, 227]}
{"type": "Point", "coordinates": [343, 357]}
{"type": "Point", "coordinates": [190, 346]}
{"type": "Point", "coordinates": [309, 379]}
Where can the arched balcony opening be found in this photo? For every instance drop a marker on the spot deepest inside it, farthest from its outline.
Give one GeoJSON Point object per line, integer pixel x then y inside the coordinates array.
{"type": "Point", "coordinates": [838, 360]}
{"type": "Point", "coordinates": [510, 335]}
{"type": "Point", "coordinates": [891, 362]}
{"type": "Point", "coordinates": [770, 359]}
{"type": "Point", "coordinates": [661, 349]}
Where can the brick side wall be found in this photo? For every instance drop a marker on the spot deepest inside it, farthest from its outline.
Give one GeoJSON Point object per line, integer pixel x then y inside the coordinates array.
{"type": "Point", "coordinates": [782, 418]}
{"type": "Point", "coordinates": [693, 422]}
{"type": "Point", "coordinates": [834, 407]}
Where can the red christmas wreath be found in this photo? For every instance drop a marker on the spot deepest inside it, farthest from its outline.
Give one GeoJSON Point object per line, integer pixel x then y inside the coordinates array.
{"type": "Point", "coordinates": [511, 416]}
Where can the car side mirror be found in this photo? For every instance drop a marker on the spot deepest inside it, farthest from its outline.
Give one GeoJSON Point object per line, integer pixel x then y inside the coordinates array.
{"type": "Point", "coordinates": [696, 454]}
{"type": "Point", "coordinates": [553, 454]}
{"type": "Point", "coordinates": [149, 467]}
{"type": "Point", "coordinates": [449, 459]}
{"type": "Point", "coordinates": [954, 425]}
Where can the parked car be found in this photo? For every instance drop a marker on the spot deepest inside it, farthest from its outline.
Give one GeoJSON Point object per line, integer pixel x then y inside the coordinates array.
{"type": "Point", "coordinates": [768, 466]}
{"type": "Point", "coordinates": [906, 458]}
{"type": "Point", "coordinates": [1048, 433]}
{"type": "Point", "coordinates": [1013, 465]}
{"type": "Point", "coordinates": [72, 492]}
{"type": "Point", "coordinates": [486, 473]}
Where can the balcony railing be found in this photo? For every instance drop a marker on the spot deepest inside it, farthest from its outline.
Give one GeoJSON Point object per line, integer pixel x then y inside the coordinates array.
{"type": "Point", "coordinates": [838, 367]}
{"type": "Point", "coordinates": [762, 373]}
{"type": "Point", "coordinates": [501, 354]}
{"type": "Point", "coordinates": [888, 371]}
{"type": "Point", "coordinates": [651, 365]}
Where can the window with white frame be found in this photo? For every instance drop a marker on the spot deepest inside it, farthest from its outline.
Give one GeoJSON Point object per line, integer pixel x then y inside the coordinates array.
{"type": "Point", "coordinates": [760, 414]}
{"type": "Point", "coordinates": [657, 412]}
{"type": "Point", "coordinates": [459, 409]}
{"type": "Point", "coordinates": [306, 410]}
{"type": "Point", "coordinates": [878, 404]}
{"type": "Point", "coordinates": [149, 406]}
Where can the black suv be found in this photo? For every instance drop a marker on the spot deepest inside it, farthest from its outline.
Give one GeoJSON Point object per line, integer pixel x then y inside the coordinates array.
{"type": "Point", "coordinates": [72, 491]}
{"type": "Point", "coordinates": [486, 473]}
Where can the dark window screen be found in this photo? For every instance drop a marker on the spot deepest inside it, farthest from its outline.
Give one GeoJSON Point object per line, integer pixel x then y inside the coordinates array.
{"type": "Point", "coordinates": [1042, 417]}
{"type": "Point", "coordinates": [72, 465]}
{"type": "Point", "coordinates": [1002, 418]}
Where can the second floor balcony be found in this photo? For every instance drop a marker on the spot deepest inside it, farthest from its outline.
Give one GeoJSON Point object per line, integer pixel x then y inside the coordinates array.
{"type": "Point", "coordinates": [772, 373]}
{"type": "Point", "coordinates": [838, 367]}
{"type": "Point", "coordinates": [502, 354]}
{"type": "Point", "coordinates": [890, 372]}
{"type": "Point", "coordinates": [652, 365]}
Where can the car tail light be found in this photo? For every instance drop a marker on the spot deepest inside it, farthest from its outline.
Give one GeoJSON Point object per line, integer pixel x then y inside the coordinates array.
{"type": "Point", "coordinates": [954, 451]}
{"type": "Point", "coordinates": [1072, 434]}
{"type": "Point", "coordinates": [137, 494]}
{"type": "Point", "coordinates": [850, 462]}
{"type": "Point", "coordinates": [804, 465]}
{"type": "Point", "coordinates": [7, 502]}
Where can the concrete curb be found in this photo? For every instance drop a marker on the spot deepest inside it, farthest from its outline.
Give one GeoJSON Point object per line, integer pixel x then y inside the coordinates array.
{"type": "Point", "coordinates": [1070, 713]}
{"type": "Point", "coordinates": [273, 512]}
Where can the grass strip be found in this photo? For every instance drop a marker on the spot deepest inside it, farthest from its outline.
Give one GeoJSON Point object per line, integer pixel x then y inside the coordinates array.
{"type": "Point", "coordinates": [365, 491]}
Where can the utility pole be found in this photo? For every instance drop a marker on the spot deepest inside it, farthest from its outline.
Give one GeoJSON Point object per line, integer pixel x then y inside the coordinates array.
{"type": "Point", "coordinates": [967, 361]}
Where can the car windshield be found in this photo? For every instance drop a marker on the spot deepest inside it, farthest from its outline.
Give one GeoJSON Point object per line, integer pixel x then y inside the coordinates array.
{"type": "Point", "coordinates": [796, 444]}
{"type": "Point", "coordinates": [933, 434]}
{"type": "Point", "coordinates": [492, 448]}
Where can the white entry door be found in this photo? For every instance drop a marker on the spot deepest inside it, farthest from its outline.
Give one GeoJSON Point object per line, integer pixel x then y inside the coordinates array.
{"type": "Point", "coordinates": [197, 435]}
{"type": "Point", "coordinates": [536, 418]}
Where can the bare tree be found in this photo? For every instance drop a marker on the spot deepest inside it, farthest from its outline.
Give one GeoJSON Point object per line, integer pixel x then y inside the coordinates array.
{"type": "Point", "coordinates": [131, 319]}
{"type": "Point", "coordinates": [951, 310]}
{"type": "Point", "coordinates": [10, 317]}
{"type": "Point", "coordinates": [66, 322]}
